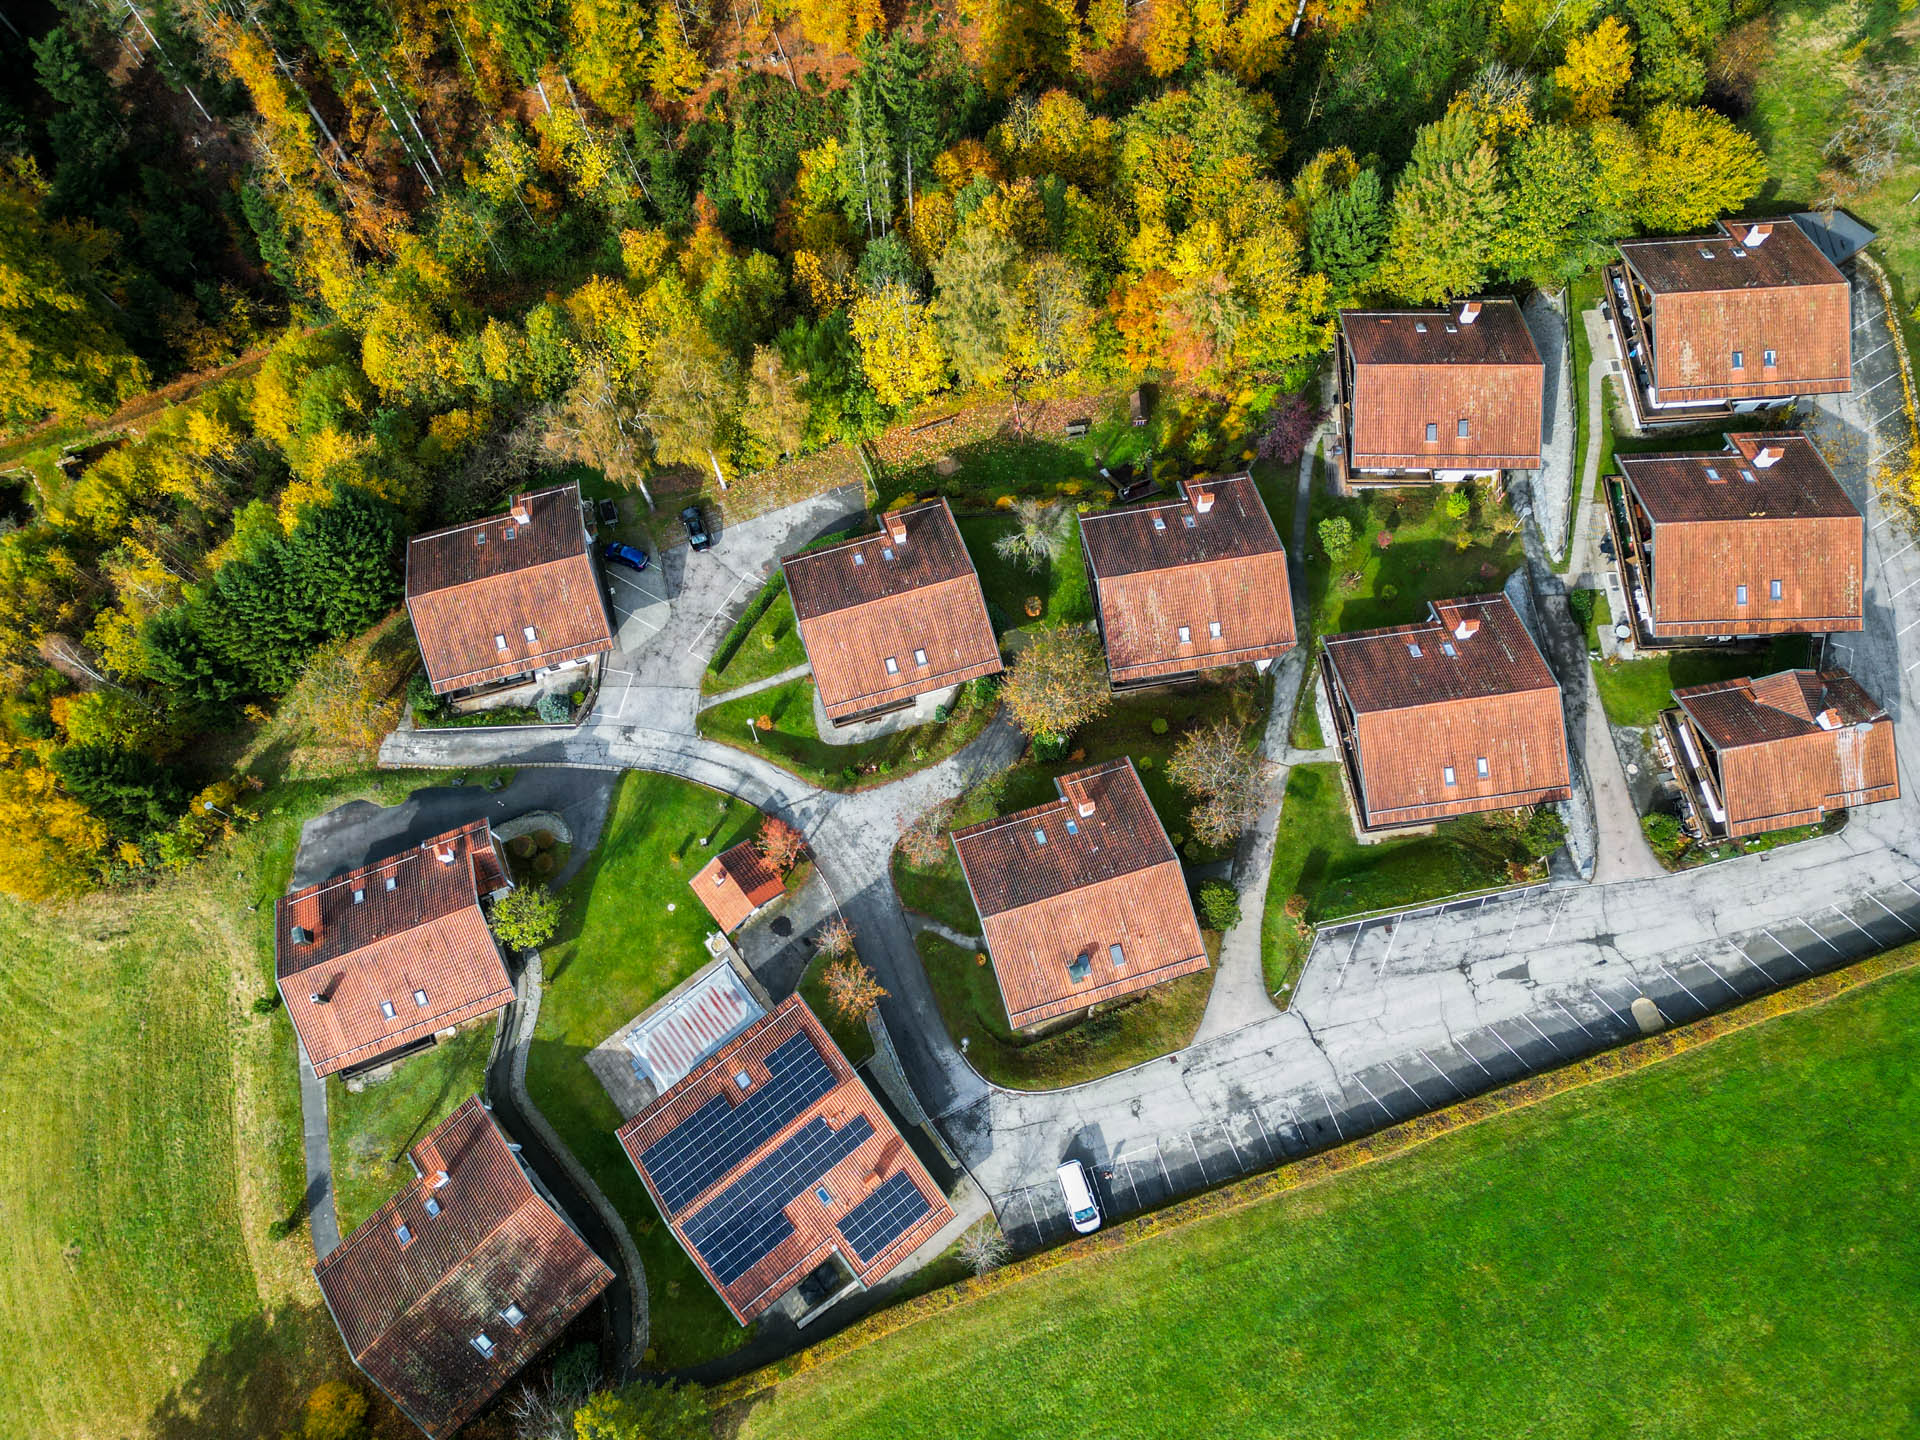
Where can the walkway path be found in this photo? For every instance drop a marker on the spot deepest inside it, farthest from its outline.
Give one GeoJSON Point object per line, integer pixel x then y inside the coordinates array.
{"type": "Point", "coordinates": [317, 1143]}
{"type": "Point", "coordinates": [707, 702]}
{"type": "Point", "coordinates": [1580, 557]}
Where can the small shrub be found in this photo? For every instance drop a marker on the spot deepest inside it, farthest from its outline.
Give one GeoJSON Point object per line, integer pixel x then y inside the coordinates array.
{"type": "Point", "coordinates": [543, 863]}
{"type": "Point", "coordinates": [1463, 542]}
{"type": "Point", "coordinates": [983, 1248]}
{"type": "Point", "coordinates": [1383, 539]}
{"type": "Point", "coordinates": [1003, 502]}
{"type": "Point", "coordinates": [1457, 503]}
{"type": "Point", "coordinates": [1033, 607]}
{"type": "Point", "coordinates": [1159, 726]}
{"type": "Point", "coordinates": [336, 1410]}
{"type": "Point", "coordinates": [769, 641]}
{"type": "Point", "coordinates": [266, 1004]}
{"type": "Point", "coordinates": [520, 847]}
{"type": "Point", "coordinates": [1296, 906]}
{"type": "Point", "coordinates": [1219, 905]}
{"type": "Point", "coordinates": [578, 697]}
{"type": "Point", "coordinates": [941, 715]}
{"type": "Point", "coordinates": [544, 839]}
{"type": "Point", "coordinates": [1665, 837]}
{"type": "Point", "coordinates": [1580, 602]}
{"type": "Point", "coordinates": [1144, 764]}
{"type": "Point", "coordinates": [1194, 851]}
{"type": "Point", "coordinates": [763, 723]}
{"type": "Point", "coordinates": [1336, 536]}
{"type": "Point", "coordinates": [552, 708]}
{"type": "Point", "coordinates": [526, 918]}
{"type": "Point", "coordinates": [1387, 592]}
{"type": "Point", "coordinates": [1048, 748]}
{"type": "Point", "coordinates": [279, 1230]}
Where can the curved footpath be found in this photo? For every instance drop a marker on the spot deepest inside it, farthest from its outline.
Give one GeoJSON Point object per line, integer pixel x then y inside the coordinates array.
{"type": "Point", "coordinates": [1391, 1018]}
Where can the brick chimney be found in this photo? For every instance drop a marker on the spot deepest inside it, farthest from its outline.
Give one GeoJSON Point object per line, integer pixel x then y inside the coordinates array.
{"type": "Point", "coordinates": [1768, 456]}
{"type": "Point", "coordinates": [1757, 235]}
{"type": "Point", "coordinates": [1466, 629]}
{"type": "Point", "coordinates": [1469, 312]}
{"type": "Point", "coordinates": [1086, 808]}
{"type": "Point", "coordinates": [444, 854]}
{"type": "Point", "coordinates": [896, 527]}
{"type": "Point", "coordinates": [522, 510]}
{"type": "Point", "coordinates": [1829, 719]}
{"type": "Point", "coordinates": [1202, 501]}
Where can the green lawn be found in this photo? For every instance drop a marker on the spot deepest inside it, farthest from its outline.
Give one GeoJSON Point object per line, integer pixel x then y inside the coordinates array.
{"type": "Point", "coordinates": [793, 743]}
{"type": "Point", "coordinates": [149, 1139]}
{"type": "Point", "coordinates": [1634, 692]}
{"type": "Point", "coordinates": [1721, 1244]}
{"type": "Point", "coordinates": [620, 948]}
{"type": "Point", "coordinates": [1065, 598]}
{"type": "Point", "coordinates": [1373, 586]}
{"type": "Point", "coordinates": [852, 1036]}
{"type": "Point", "coordinates": [942, 891]}
{"type": "Point", "coordinates": [767, 642]}
{"type": "Point", "coordinates": [370, 1132]}
{"type": "Point", "coordinates": [1315, 855]}
{"type": "Point", "coordinates": [1160, 1021]}
{"type": "Point", "coordinates": [1047, 465]}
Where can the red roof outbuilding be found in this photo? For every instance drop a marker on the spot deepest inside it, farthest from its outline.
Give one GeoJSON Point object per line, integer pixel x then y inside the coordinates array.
{"type": "Point", "coordinates": [735, 883]}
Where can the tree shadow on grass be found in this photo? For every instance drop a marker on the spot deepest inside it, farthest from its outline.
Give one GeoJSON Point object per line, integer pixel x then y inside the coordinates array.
{"type": "Point", "coordinates": [254, 1381]}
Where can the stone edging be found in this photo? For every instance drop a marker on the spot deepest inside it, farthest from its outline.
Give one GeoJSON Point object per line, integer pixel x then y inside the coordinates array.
{"type": "Point", "coordinates": [1312, 1170]}
{"type": "Point", "coordinates": [532, 821]}
{"type": "Point", "coordinates": [558, 1148]}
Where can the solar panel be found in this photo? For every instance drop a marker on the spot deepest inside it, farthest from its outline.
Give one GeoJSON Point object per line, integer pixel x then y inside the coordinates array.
{"type": "Point", "coordinates": [688, 1159]}
{"type": "Point", "coordinates": [746, 1221]}
{"type": "Point", "coordinates": [883, 1217]}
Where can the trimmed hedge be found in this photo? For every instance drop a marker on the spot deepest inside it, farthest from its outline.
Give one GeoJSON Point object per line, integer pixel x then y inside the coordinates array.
{"type": "Point", "coordinates": [750, 617]}
{"type": "Point", "coordinates": [1313, 1169]}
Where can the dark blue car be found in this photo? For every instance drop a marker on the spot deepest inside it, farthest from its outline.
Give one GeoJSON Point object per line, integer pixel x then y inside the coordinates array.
{"type": "Point", "coordinates": [626, 555]}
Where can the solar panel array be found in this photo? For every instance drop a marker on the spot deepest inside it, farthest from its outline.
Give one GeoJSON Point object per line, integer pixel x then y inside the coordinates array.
{"type": "Point", "coordinates": [745, 1222]}
{"type": "Point", "coordinates": [883, 1217]}
{"type": "Point", "coordinates": [719, 1135]}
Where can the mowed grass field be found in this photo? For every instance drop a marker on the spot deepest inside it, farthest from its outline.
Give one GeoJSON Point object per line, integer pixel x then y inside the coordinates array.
{"type": "Point", "coordinates": [149, 1137]}
{"type": "Point", "coordinates": [1720, 1245]}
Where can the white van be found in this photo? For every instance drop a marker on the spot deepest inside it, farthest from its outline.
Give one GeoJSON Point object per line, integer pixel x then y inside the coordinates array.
{"type": "Point", "coordinates": [1083, 1206]}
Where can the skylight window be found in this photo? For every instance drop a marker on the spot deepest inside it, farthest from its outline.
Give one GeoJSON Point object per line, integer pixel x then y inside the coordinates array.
{"type": "Point", "coordinates": [823, 1195]}
{"type": "Point", "coordinates": [886, 554]}
{"type": "Point", "coordinates": [1462, 430]}
{"type": "Point", "coordinates": [1480, 767]}
{"type": "Point", "coordinates": [1774, 589]}
{"type": "Point", "coordinates": [484, 1345]}
{"type": "Point", "coordinates": [513, 1315]}
{"type": "Point", "coordinates": [393, 883]}
{"type": "Point", "coordinates": [1117, 956]}
{"type": "Point", "coordinates": [529, 632]}
{"type": "Point", "coordinates": [432, 1205]}
{"type": "Point", "coordinates": [420, 998]}
{"type": "Point", "coordinates": [858, 558]}
{"type": "Point", "coordinates": [919, 657]}
{"type": "Point", "coordinates": [1419, 327]}
{"type": "Point", "coordinates": [1446, 647]}
{"type": "Point", "coordinates": [1213, 629]}
{"type": "Point", "coordinates": [499, 642]}
{"type": "Point", "coordinates": [1039, 836]}
{"type": "Point", "coordinates": [1413, 650]}
{"type": "Point", "coordinates": [1446, 773]}
{"type": "Point", "coordinates": [893, 665]}
{"type": "Point", "coordinates": [1186, 635]}
{"type": "Point", "coordinates": [1080, 966]}
{"type": "Point", "coordinates": [510, 532]}
{"type": "Point", "coordinates": [359, 897]}
{"type": "Point", "coordinates": [1159, 523]}
{"type": "Point", "coordinates": [1712, 474]}
{"type": "Point", "coordinates": [386, 1008]}
{"type": "Point", "coordinates": [1073, 827]}
{"type": "Point", "coordinates": [403, 1235]}
{"type": "Point", "coordinates": [1190, 521]}
{"type": "Point", "coordinates": [479, 537]}
{"type": "Point", "coordinates": [1747, 475]}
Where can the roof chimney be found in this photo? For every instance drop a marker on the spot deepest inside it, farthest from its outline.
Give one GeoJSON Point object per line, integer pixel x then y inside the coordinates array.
{"type": "Point", "coordinates": [437, 1179]}
{"type": "Point", "coordinates": [1466, 629]}
{"type": "Point", "coordinates": [300, 935]}
{"type": "Point", "coordinates": [316, 997]}
{"type": "Point", "coordinates": [896, 526]}
{"type": "Point", "coordinates": [1469, 312]}
{"type": "Point", "coordinates": [1757, 235]}
{"type": "Point", "coordinates": [444, 854]}
{"type": "Point", "coordinates": [1202, 501]}
{"type": "Point", "coordinates": [1086, 808]}
{"type": "Point", "coordinates": [522, 510]}
{"type": "Point", "coordinates": [1768, 455]}
{"type": "Point", "coordinates": [1829, 719]}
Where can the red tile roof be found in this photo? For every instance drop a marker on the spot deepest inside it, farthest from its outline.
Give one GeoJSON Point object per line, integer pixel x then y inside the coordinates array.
{"type": "Point", "coordinates": [1713, 295]}
{"type": "Point", "coordinates": [415, 929]}
{"type": "Point", "coordinates": [1062, 885]}
{"type": "Point", "coordinates": [737, 1168]}
{"type": "Point", "coordinates": [1794, 746]}
{"type": "Point", "coordinates": [735, 883]}
{"type": "Point", "coordinates": [873, 598]}
{"type": "Point", "coordinates": [1715, 530]}
{"type": "Point", "coordinates": [1418, 368]}
{"type": "Point", "coordinates": [1157, 568]}
{"type": "Point", "coordinates": [474, 590]}
{"type": "Point", "coordinates": [1477, 690]}
{"type": "Point", "coordinates": [409, 1312]}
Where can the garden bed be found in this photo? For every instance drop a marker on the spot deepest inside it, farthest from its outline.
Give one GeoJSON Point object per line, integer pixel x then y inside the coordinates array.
{"type": "Point", "coordinates": [1676, 850]}
{"type": "Point", "coordinates": [1634, 692]}
{"type": "Point", "coordinates": [1137, 1029]}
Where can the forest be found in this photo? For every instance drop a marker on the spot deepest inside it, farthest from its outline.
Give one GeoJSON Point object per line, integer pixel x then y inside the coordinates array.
{"type": "Point", "coordinates": [404, 255]}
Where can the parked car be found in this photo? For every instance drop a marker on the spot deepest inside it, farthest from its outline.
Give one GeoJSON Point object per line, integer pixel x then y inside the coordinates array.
{"type": "Point", "coordinates": [1606, 547]}
{"type": "Point", "coordinates": [626, 555]}
{"type": "Point", "coordinates": [609, 512]}
{"type": "Point", "coordinates": [1083, 1206]}
{"type": "Point", "coordinates": [696, 528]}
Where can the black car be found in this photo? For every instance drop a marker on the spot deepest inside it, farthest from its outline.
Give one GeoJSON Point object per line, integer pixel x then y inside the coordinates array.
{"type": "Point", "coordinates": [609, 512]}
{"type": "Point", "coordinates": [697, 535]}
{"type": "Point", "coordinates": [1606, 547]}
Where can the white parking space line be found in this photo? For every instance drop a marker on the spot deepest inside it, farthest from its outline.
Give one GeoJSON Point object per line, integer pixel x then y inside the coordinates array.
{"type": "Point", "coordinates": [1873, 352]}
{"type": "Point", "coordinates": [1683, 985]}
{"type": "Point", "coordinates": [1876, 385]}
{"type": "Point", "coordinates": [1608, 1004]}
{"type": "Point", "coordinates": [716, 614]}
{"type": "Point", "coordinates": [1464, 1051]}
{"type": "Point", "coordinates": [1751, 961]}
{"type": "Point", "coordinates": [1506, 1047]}
{"type": "Point", "coordinates": [1906, 627]}
{"type": "Point", "coordinates": [1541, 1033]}
{"type": "Point", "coordinates": [1403, 1080]}
{"type": "Point", "coordinates": [1392, 936]}
{"type": "Point", "coordinates": [1912, 929]}
{"type": "Point", "coordinates": [1811, 931]}
{"type": "Point", "coordinates": [1853, 922]}
{"type": "Point", "coordinates": [1359, 930]}
{"type": "Point", "coordinates": [1570, 1015]}
{"type": "Point", "coordinates": [1332, 1114]}
{"type": "Point", "coordinates": [1375, 1098]}
{"type": "Point", "coordinates": [1904, 588]}
{"type": "Point", "coordinates": [1897, 554]}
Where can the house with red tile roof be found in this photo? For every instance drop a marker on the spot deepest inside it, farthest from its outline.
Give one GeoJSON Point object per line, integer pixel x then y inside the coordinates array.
{"type": "Point", "coordinates": [384, 960]}
{"type": "Point", "coordinates": [735, 883]}
{"type": "Point", "coordinates": [462, 1279]}
{"type": "Point", "coordinates": [1188, 584]}
{"type": "Point", "coordinates": [892, 617]}
{"type": "Point", "coordinates": [1755, 539]}
{"type": "Point", "coordinates": [1437, 395]}
{"type": "Point", "coordinates": [1082, 901]}
{"type": "Point", "coordinates": [779, 1173]}
{"type": "Point", "coordinates": [510, 598]}
{"type": "Point", "coordinates": [1746, 317]}
{"type": "Point", "coordinates": [1451, 716]}
{"type": "Point", "coordinates": [1786, 749]}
